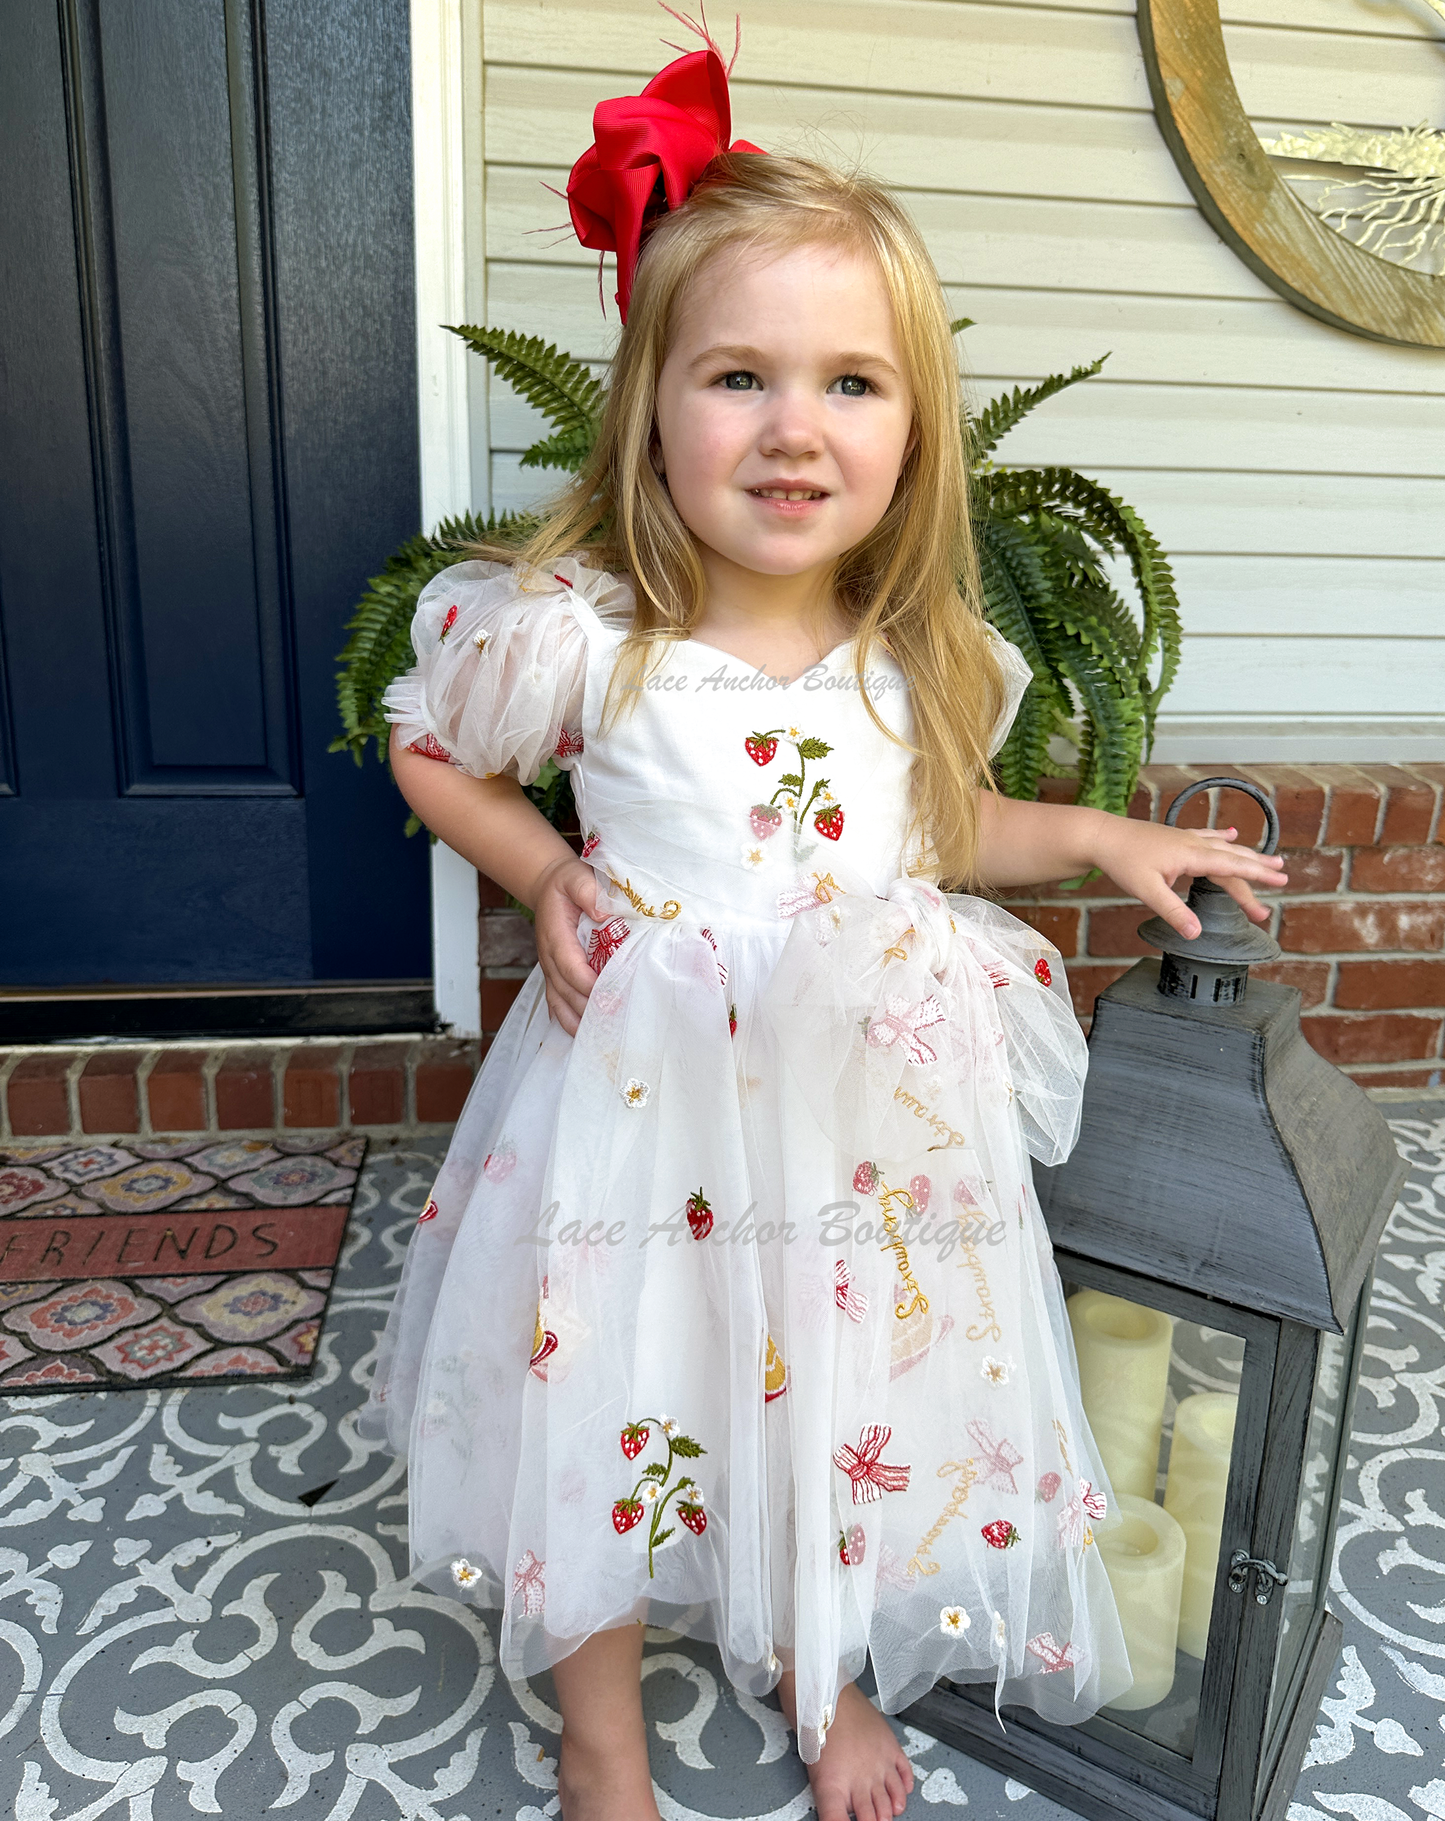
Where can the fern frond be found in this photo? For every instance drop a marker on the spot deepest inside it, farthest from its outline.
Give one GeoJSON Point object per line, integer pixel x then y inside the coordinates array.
{"type": "Point", "coordinates": [564, 390]}
{"type": "Point", "coordinates": [563, 449]}
{"type": "Point", "coordinates": [1001, 414]}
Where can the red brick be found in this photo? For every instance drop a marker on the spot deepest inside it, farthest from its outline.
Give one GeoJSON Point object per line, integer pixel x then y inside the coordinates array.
{"type": "Point", "coordinates": [1368, 986]}
{"type": "Point", "coordinates": [497, 998]}
{"type": "Point", "coordinates": [245, 1092]}
{"type": "Point", "coordinates": [1056, 923]}
{"type": "Point", "coordinates": [1058, 790]}
{"type": "Point", "coordinates": [176, 1092]}
{"type": "Point", "coordinates": [1169, 780]}
{"type": "Point", "coordinates": [311, 1088]}
{"type": "Point", "coordinates": [1354, 809]}
{"type": "Point", "coordinates": [490, 895]}
{"type": "Point", "coordinates": [1409, 805]}
{"type": "Point", "coordinates": [1141, 805]}
{"type": "Point", "coordinates": [1235, 810]}
{"type": "Point", "coordinates": [108, 1098]}
{"type": "Point", "coordinates": [1361, 923]}
{"type": "Point", "coordinates": [1114, 930]}
{"type": "Point", "coordinates": [1432, 773]}
{"type": "Point", "coordinates": [1374, 1037]}
{"type": "Point", "coordinates": [377, 1084]}
{"type": "Point", "coordinates": [39, 1105]}
{"type": "Point", "coordinates": [1313, 869]}
{"type": "Point", "coordinates": [1311, 979]}
{"type": "Point", "coordinates": [1086, 983]}
{"type": "Point", "coordinates": [1398, 869]}
{"type": "Point", "coordinates": [444, 1073]}
{"type": "Point", "coordinates": [1299, 801]}
{"type": "Point", "coordinates": [1397, 1078]}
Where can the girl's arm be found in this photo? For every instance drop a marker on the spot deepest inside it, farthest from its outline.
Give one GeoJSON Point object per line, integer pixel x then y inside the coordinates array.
{"type": "Point", "coordinates": [491, 822]}
{"type": "Point", "coordinates": [1037, 843]}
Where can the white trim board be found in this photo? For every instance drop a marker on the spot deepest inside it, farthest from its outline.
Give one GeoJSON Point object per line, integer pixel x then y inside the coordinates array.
{"type": "Point", "coordinates": [1245, 741]}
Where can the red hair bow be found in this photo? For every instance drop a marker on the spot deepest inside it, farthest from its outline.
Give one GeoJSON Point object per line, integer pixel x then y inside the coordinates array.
{"type": "Point", "coordinates": [649, 151]}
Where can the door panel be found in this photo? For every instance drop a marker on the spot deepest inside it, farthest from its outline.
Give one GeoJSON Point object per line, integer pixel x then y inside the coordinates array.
{"type": "Point", "coordinates": [207, 442]}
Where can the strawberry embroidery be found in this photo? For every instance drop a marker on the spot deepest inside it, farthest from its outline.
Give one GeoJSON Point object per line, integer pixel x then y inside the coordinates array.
{"type": "Point", "coordinates": [589, 846]}
{"type": "Point", "coordinates": [1043, 975]}
{"type": "Point", "coordinates": [865, 1178]}
{"type": "Point", "coordinates": [732, 1021]}
{"type": "Point", "coordinates": [828, 820]}
{"type": "Point", "coordinates": [430, 747]}
{"type": "Point", "coordinates": [1047, 1489]}
{"type": "Point", "coordinates": [1000, 1534]}
{"type": "Point", "coordinates": [655, 1488]}
{"type": "Point", "coordinates": [447, 625]}
{"type": "Point", "coordinates": [699, 1215]}
{"type": "Point", "coordinates": [500, 1163]}
{"type": "Point", "coordinates": [920, 1188]}
{"type": "Point", "coordinates": [852, 1546]}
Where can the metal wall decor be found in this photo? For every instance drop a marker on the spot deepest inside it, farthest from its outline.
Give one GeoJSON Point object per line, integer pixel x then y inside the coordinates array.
{"type": "Point", "coordinates": [1251, 206]}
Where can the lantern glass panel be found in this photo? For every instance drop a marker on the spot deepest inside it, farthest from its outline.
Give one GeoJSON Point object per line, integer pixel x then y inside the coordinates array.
{"type": "Point", "coordinates": [1161, 1394]}
{"type": "Point", "coordinates": [1326, 1445]}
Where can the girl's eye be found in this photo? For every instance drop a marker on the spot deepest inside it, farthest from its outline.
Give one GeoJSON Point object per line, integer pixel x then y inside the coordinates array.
{"type": "Point", "coordinates": [853, 385]}
{"type": "Point", "coordinates": [740, 382]}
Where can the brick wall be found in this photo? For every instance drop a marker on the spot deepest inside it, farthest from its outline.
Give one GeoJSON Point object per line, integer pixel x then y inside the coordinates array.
{"type": "Point", "coordinates": [385, 1086]}
{"type": "Point", "coordinates": [1362, 923]}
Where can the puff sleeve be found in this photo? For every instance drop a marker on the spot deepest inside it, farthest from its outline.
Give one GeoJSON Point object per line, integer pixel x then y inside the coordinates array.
{"type": "Point", "coordinates": [498, 682]}
{"type": "Point", "coordinates": [1017, 675]}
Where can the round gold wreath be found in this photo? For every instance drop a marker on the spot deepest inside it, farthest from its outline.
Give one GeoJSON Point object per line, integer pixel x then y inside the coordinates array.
{"type": "Point", "coordinates": [1251, 207]}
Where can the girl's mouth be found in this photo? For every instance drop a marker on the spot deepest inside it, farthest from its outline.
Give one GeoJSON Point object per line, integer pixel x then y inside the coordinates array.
{"type": "Point", "coordinates": [793, 495]}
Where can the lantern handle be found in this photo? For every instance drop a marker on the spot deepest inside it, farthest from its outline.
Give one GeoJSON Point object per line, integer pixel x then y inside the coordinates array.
{"type": "Point", "coordinates": [1271, 817]}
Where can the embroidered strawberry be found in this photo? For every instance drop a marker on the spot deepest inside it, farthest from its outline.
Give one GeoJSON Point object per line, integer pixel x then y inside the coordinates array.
{"type": "Point", "coordinates": [921, 1189]}
{"type": "Point", "coordinates": [1048, 1487]}
{"type": "Point", "coordinates": [764, 820]}
{"type": "Point", "coordinates": [732, 1021]}
{"type": "Point", "coordinates": [429, 1212]}
{"type": "Point", "coordinates": [852, 1546]}
{"type": "Point", "coordinates": [829, 822]}
{"type": "Point", "coordinates": [626, 1513]}
{"type": "Point", "coordinates": [589, 846]}
{"type": "Point", "coordinates": [865, 1178]}
{"type": "Point", "coordinates": [761, 748]}
{"type": "Point", "coordinates": [447, 625]}
{"type": "Point", "coordinates": [1000, 1534]}
{"type": "Point", "coordinates": [699, 1215]}
{"type": "Point", "coordinates": [634, 1439]}
{"type": "Point", "coordinates": [694, 1517]}
{"type": "Point", "coordinates": [1042, 973]}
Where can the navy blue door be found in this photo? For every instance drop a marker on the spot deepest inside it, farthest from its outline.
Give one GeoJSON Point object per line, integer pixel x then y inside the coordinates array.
{"type": "Point", "coordinates": [207, 442]}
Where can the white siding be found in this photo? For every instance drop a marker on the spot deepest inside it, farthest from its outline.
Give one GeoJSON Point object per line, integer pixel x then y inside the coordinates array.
{"type": "Point", "coordinates": [1295, 473]}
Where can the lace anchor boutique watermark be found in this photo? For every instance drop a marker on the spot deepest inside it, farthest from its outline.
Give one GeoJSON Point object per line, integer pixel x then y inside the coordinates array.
{"type": "Point", "coordinates": [837, 1221]}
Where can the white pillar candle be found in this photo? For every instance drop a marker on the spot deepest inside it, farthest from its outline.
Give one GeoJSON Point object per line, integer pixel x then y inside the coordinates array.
{"type": "Point", "coordinates": [1123, 1351]}
{"type": "Point", "coordinates": [1143, 1552]}
{"type": "Point", "coordinates": [1194, 1496]}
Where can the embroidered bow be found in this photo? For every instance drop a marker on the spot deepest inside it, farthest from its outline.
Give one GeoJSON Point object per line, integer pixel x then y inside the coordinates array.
{"type": "Point", "coordinates": [870, 1476]}
{"type": "Point", "coordinates": [1053, 1655]}
{"type": "Point", "coordinates": [999, 1458]}
{"type": "Point", "coordinates": [853, 1303]}
{"type": "Point", "coordinates": [647, 154]}
{"type": "Point", "coordinates": [900, 1022]}
{"type": "Point", "coordinates": [528, 1585]}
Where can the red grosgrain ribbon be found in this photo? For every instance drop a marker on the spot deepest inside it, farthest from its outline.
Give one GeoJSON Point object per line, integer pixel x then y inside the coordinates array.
{"type": "Point", "coordinates": [649, 151]}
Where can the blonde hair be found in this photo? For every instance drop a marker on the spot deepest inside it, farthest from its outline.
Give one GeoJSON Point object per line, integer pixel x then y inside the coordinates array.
{"type": "Point", "coordinates": [912, 584]}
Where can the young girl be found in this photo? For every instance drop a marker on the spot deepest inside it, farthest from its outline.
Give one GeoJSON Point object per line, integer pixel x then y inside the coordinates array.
{"type": "Point", "coordinates": [733, 1310]}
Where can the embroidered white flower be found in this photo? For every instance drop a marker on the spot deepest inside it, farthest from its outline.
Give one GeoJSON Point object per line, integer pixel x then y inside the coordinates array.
{"type": "Point", "coordinates": [953, 1621]}
{"type": "Point", "coordinates": [1000, 1631]}
{"type": "Point", "coordinates": [480, 641]}
{"type": "Point", "coordinates": [464, 1574]}
{"type": "Point", "coordinates": [825, 1722]}
{"type": "Point", "coordinates": [636, 1093]}
{"type": "Point", "coordinates": [754, 856]}
{"type": "Point", "coordinates": [668, 1425]}
{"type": "Point", "coordinates": [996, 1371]}
{"type": "Point", "coordinates": [790, 802]}
{"type": "Point", "coordinates": [694, 1496]}
{"type": "Point", "coordinates": [795, 733]}
{"type": "Point", "coordinates": [648, 1492]}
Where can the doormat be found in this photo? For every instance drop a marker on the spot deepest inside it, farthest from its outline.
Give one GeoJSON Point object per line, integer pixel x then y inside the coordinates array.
{"type": "Point", "coordinates": [170, 1261]}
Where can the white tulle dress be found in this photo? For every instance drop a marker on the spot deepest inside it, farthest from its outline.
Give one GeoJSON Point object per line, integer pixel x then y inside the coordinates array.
{"type": "Point", "coordinates": [737, 1309]}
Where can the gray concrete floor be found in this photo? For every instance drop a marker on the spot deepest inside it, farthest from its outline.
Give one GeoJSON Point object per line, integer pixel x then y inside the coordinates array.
{"type": "Point", "coordinates": [182, 1632]}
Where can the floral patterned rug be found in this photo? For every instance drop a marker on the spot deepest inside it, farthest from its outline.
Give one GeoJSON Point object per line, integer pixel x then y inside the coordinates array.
{"type": "Point", "coordinates": [168, 1261]}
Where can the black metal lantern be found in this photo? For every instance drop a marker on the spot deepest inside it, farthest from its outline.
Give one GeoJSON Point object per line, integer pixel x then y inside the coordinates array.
{"type": "Point", "coordinates": [1215, 1227]}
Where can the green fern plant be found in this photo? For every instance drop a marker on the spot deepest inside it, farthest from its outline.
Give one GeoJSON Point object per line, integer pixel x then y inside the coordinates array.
{"type": "Point", "coordinates": [1044, 537]}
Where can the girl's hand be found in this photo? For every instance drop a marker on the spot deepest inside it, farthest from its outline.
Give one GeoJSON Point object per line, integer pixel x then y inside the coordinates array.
{"type": "Point", "coordinates": [1147, 858]}
{"type": "Point", "coordinates": [566, 886]}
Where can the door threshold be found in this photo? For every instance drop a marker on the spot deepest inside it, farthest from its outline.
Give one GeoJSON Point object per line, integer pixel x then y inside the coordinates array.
{"type": "Point", "coordinates": [312, 1008]}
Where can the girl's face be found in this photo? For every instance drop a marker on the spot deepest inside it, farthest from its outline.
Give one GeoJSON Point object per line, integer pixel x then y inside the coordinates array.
{"type": "Point", "coordinates": [783, 409]}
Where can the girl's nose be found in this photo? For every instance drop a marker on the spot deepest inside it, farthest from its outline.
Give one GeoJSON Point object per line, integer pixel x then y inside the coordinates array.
{"type": "Point", "coordinates": [794, 426]}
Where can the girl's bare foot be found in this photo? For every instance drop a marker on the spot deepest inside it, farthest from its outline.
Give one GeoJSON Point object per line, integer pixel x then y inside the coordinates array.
{"type": "Point", "coordinates": [602, 1768]}
{"type": "Point", "coordinates": [862, 1770]}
